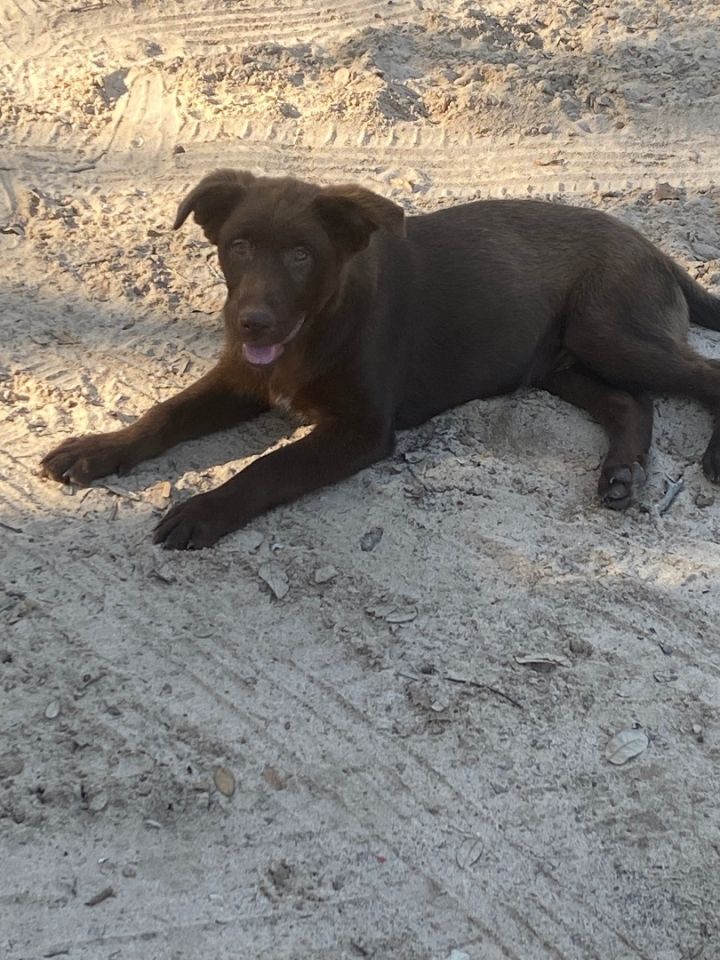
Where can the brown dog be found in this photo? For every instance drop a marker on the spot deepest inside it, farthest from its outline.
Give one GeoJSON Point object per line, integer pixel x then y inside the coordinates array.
{"type": "Point", "coordinates": [364, 327]}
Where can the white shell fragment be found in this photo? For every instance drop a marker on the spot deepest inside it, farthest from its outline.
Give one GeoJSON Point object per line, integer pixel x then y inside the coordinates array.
{"type": "Point", "coordinates": [325, 574]}
{"type": "Point", "coordinates": [405, 615]}
{"type": "Point", "coordinates": [224, 780]}
{"type": "Point", "coordinates": [539, 659]}
{"type": "Point", "coordinates": [275, 577]}
{"type": "Point", "coordinates": [625, 745]}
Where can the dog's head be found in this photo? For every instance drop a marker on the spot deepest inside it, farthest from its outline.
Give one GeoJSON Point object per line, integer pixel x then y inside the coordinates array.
{"type": "Point", "coordinates": [283, 247]}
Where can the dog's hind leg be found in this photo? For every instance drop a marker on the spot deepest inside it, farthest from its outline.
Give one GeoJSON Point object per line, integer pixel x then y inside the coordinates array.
{"type": "Point", "coordinates": [627, 419]}
{"type": "Point", "coordinates": [661, 366]}
{"type": "Point", "coordinates": [711, 457]}
{"type": "Point", "coordinates": [629, 329]}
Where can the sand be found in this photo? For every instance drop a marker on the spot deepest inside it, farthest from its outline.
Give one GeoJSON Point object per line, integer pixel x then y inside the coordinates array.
{"type": "Point", "coordinates": [316, 740]}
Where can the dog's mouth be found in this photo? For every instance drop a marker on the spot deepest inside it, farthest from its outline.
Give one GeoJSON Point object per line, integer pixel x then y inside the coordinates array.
{"type": "Point", "coordinates": [262, 356]}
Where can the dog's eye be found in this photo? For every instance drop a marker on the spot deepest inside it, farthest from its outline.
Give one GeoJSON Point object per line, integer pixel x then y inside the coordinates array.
{"type": "Point", "coordinates": [300, 255]}
{"type": "Point", "coordinates": [240, 247]}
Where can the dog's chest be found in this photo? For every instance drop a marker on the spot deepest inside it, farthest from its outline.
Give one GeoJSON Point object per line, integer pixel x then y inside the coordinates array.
{"type": "Point", "coordinates": [291, 405]}
{"type": "Point", "coordinates": [282, 401]}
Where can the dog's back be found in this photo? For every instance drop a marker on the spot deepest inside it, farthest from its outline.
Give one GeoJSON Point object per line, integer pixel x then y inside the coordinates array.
{"type": "Point", "coordinates": [485, 289]}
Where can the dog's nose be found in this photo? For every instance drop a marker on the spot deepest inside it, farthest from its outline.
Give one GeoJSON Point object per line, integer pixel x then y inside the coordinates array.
{"type": "Point", "coordinates": [256, 321]}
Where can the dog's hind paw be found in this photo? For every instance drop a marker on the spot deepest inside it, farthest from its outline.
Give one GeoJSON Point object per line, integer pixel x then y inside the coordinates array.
{"type": "Point", "coordinates": [711, 463]}
{"type": "Point", "coordinates": [616, 484]}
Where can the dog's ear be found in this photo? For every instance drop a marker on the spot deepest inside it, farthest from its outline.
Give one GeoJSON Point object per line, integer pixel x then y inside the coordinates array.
{"type": "Point", "coordinates": [352, 214]}
{"type": "Point", "coordinates": [212, 200]}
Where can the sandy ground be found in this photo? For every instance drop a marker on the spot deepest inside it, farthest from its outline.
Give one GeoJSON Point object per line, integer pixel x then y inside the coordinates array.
{"type": "Point", "coordinates": [350, 762]}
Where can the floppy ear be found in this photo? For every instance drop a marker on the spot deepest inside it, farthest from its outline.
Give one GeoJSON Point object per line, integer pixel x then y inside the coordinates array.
{"type": "Point", "coordinates": [352, 214]}
{"type": "Point", "coordinates": [212, 200]}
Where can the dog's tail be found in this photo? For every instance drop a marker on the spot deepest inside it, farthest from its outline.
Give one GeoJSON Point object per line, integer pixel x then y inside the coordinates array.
{"type": "Point", "coordinates": [704, 307]}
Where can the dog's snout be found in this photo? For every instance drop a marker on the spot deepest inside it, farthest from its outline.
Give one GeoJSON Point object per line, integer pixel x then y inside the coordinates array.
{"type": "Point", "coordinates": [256, 322]}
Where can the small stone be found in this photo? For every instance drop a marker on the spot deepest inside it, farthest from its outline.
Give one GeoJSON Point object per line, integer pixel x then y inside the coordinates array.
{"type": "Point", "coordinates": [325, 574]}
{"type": "Point", "coordinates": [129, 870]}
{"type": "Point", "coordinates": [371, 539]}
{"type": "Point", "coordinates": [280, 873]}
{"type": "Point", "coordinates": [250, 540]}
{"type": "Point", "coordinates": [52, 710]}
{"type": "Point", "coordinates": [178, 148]}
{"type": "Point", "coordinates": [341, 76]}
{"type": "Point", "coordinates": [5, 656]}
{"type": "Point", "coordinates": [664, 191]}
{"type": "Point", "coordinates": [290, 111]}
{"type": "Point", "coordinates": [10, 766]}
{"type": "Point", "coordinates": [696, 729]}
{"type": "Point", "coordinates": [98, 802]}
{"type": "Point", "coordinates": [581, 647]}
{"type": "Point", "coordinates": [704, 500]}
{"type": "Point", "coordinates": [274, 778]}
{"type": "Point", "coordinates": [664, 677]}
{"type": "Point", "coordinates": [705, 251]}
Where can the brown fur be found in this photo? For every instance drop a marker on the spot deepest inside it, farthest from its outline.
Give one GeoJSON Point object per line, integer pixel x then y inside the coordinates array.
{"type": "Point", "coordinates": [365, 323]}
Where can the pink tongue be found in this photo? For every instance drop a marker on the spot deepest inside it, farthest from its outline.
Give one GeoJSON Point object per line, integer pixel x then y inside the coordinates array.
{"type": "Point", "coordinates": [262, 355]}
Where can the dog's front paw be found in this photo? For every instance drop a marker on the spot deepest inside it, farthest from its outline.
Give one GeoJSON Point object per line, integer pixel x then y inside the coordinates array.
{"type": "Point", "coordinates": [83, 459]}
{"type": "Point", "coordinates": [193, 524]}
